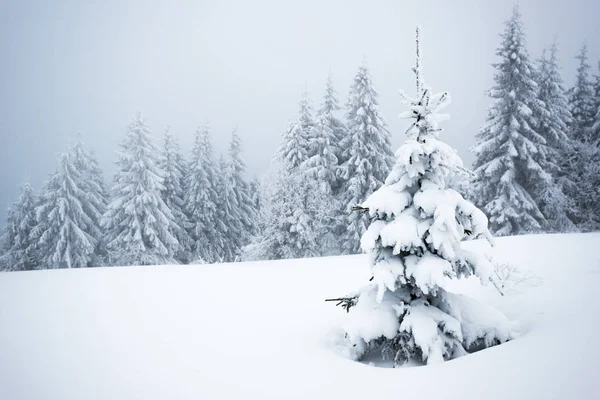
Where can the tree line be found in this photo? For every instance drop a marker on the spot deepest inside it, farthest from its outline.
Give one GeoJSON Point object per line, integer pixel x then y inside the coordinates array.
{"type": "Point", "coordinates": [161, 208]}
{"type": "Point", "coordinates": [537, 169]}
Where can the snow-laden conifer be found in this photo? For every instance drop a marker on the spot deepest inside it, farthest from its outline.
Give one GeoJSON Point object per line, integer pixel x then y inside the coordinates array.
{"type": "Point", "coordinates": [584, 170]}
{"type": "Point", "coordinates": [292, 204]}
{"type": "Point", "coordinates": [326, 116]}
{"type": "Point", "coordinates": [581, 99]}
{"type": "Point", "coordinates": [510, 153]}
{"type": "Point", "coordinates": [18, 252]}
{"type": "Point", "coordinates": [305, 115]}
{"type": "Point", "coordinates": [413, 243]}
{"type": "Point", "coordinates": [137, 220]}
{"type": "Point", "coordinates": [173, 165]}
{"type": "Point", "coordinates": [553, 197]}
{"type": "Point", "coordinates": [96, 199]}
{"type": "Point", "coordinates": [67, 233]}
{"type": "Point", "coordinates": [293, 150]}
{"type": "Point", "coordinates": [367, 154]}
{"type": "Point", "coordinates": [226, 212]}
{"type": "Point", "coordinates": [321, 168]}
{"type": "Point", "coordinates": [201, 198]}
{"type": "Point", "coordinates": [322, 163]}
{"type": "Point", "coordinates": [243, 218]}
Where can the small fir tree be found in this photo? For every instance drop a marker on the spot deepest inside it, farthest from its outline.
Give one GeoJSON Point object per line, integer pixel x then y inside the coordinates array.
{"type": "Point", "coordinates": [413, 245]}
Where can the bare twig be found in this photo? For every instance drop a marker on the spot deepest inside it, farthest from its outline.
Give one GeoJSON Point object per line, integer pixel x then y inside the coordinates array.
{"type": "Point", "coordinates": [345, 302]}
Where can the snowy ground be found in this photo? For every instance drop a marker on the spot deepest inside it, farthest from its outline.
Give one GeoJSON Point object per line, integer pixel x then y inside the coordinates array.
{"type": "Point", "coordinates": [262, 331]}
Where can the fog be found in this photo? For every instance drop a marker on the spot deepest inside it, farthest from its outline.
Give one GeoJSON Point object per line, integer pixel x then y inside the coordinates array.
{"type": "Point", "coordinates": [72, 67]}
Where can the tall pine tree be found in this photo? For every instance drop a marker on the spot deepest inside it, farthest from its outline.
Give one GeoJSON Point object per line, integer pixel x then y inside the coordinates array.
{"type": "Point", "coordinates": [581, 99]}
{"type": "Point", "coordinates": [552, 197]}
{"type": "Point", "coordinates": [510, 154]}
{"type": "Point", "coordinates": [18, 245]}
{"type": "Point", "coordinates": [226, 213]}
{"type": "Point", "coordinates": [327, 119]}
{"type": "Point", "coordinates": [67, 234]}
{"type": "Point", "coordinates": [321, 168]}
{"type": "Point", "coordinates": [583, 166]}
{"type": "Point", "coordinates": [367, 154]}
{"type": "Point", "coordinates": [96, 200]}
{"type": "Point", "coordinates": [137, 220]}
{"type": "Point", "coordinates": [173, 165]}
{"type": "Point", "coordinates": [201, 199]}
{"type": "Point", "coordinates": [244, 216]}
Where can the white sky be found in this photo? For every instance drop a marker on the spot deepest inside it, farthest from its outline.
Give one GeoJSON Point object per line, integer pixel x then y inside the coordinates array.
{"type": "Point", "coordinates": [73, 66]}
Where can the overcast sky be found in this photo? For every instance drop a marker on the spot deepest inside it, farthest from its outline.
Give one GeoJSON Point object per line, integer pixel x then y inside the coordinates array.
{"type": "Point", "coordinates": [71, 67]}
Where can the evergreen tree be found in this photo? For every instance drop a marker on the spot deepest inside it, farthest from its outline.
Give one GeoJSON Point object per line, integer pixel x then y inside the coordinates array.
{"type": "Point", "coordinates": [95, 201]}
{"type": "Point", "coordinates": [173, 165]}
{"type": "Point", "coordinates": [583, 162]}
{"type": "Point", "coordinates": [322, 163]}
{"type": "Point", "coordinates": [291, 207]}
{"type": "Point", "coordinates": [305, 115]}
{"type": "Point", "coordinates": [581, 100]}
{"type": "Point", "coordinates": [201, 199]}
{"type": "Point", "coordinates": [226, 222]}
{"type": "Point", "coordinates": [368, 155]}
{"type": "Point", "coordinates": [511, 154]}
{"type": "Point", "coordinates": [292, 204]}
{"type": "Point", "coordinates": [67, 231]}
{"type": "Point", "coordinates": [595, 135]}
{"type": "Point", "coordinates": [552, 198]}
{"type": "Point", "coordinates": [18, 246]}
{"type": "Point", "coordinates": [256, 194]}
{"type": "Point", "coordinates": [244, 215]}
{"type": "Point", "coordinates": [137, 220]}
{"type": "Point", "coordinates": [413, 246]}
{"type": "Point", "coordinates": [330, 123]}
{"type": "Point", "coordinates": [6, 239]}
{"type": "Point", "coordinates": [321, 168]}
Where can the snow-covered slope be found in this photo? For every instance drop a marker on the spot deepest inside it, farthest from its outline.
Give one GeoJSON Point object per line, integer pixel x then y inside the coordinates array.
{"type": "Point", "coordinates": [262, 331]}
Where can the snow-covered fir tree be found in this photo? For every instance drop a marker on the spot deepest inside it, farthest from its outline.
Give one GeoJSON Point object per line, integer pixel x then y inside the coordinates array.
{"type": "Point", "coordinates": [583, 162]}
{"type": "Point", "coordinates": [292, 204]}
{"type": "Point", "coordinates": [326, 117]}
{"type": "Point", "coordinates": [413, 245]}
{"type": "Point", "coordinates": [256, 194]}
{"type": "Point", "coordinates": [553, 198]}
{"type": "Point", "coordinates": [288, 214]}
{"type": "Point", "coordinates": [226, 213]}
{"type": "Point", "coordinates": [243, 216]}
{"type": "Point", "coordinates": [581, 100]}
{"type": "Point", "coordinates": [18, 247]}
{"type": "Point", "coordinates": [595, 132]}
{"type": "Point", "coordinates": [6, 239]}
{"type": "Point", "coordinates": [510, 153]}
{"type": "Point", "coordinates": [173, 165]}
{"type": "Point", "coordinates": [67, 233]}
{"type": "Point", "coordinates": [305, 115]}
{"type": "Point", "coordinates": [321, 167]}
{"type": "Point", "coordinates": [96, 199]}
{"type": "Point", "coordinates": [322, 163]}
{"type": "Point", "coordinates": [296, 145]}
{"type": "Point", "coordinates": [201, 199]}
{"type": "Point", "coordinates": [367, 153]}
{"type": "Point", "coordinates": [138, 221]}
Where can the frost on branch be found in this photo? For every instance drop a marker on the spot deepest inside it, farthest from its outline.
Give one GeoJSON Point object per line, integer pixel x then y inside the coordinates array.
{"type": "Point", "coordinates": [413, 242]}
